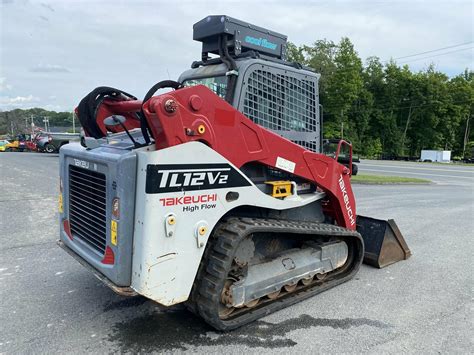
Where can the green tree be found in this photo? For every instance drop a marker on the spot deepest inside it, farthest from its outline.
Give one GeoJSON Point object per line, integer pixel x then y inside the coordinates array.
{"type": "Point", "coordinates": [18, 121]}
{"type": "Point", "coordinates": [387, 107]}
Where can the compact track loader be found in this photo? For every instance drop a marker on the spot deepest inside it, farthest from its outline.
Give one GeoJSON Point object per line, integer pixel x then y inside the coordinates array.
{"type": "Point", "coordinates": [216, 193]}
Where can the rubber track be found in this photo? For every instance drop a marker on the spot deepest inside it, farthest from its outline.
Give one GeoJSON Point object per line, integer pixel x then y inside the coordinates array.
{"type": "Point", "coordinates": [217, 260]}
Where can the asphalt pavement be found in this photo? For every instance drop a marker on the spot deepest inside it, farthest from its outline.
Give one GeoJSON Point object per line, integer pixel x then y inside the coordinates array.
{"type": "Point", "coordinates": [439, 173]}
{"type": "Point", "coordinates": [51, 304]}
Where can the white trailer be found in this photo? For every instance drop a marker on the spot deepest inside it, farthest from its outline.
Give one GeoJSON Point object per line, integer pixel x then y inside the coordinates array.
{"type": "Point", "coordinates": [441, 156]}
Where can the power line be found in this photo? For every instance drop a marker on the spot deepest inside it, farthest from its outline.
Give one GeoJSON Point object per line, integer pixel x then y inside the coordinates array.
{"type": "Point", "coordinates": [432, 102]}
{"type": "Point", "coordinates": [433, 50]}
{"type": "Point", "coordinates": [436, 55]}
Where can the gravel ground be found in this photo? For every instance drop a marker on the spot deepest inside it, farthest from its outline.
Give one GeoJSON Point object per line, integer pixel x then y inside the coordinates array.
{"type": "Point", "coordinates": [51, 304]}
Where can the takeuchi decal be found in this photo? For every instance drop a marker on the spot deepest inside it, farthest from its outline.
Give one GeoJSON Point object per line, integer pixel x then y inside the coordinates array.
{"type": "Point", "coordinates": [188, 200]}
{"type": "Point", "coordinates": [347, 203]}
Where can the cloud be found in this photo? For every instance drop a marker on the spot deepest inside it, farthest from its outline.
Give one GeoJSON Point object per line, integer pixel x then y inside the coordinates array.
{"type": "Point", "coordinates": [4, 86]}
{"type": "Point", "coordinates": [10, 103]}
{"type": "Point", "coordinates": [132, 45]}
{"type": "Point", "coordinates": [17, 100]}
{"type": "Point", "coordinates": [49, 68]}
{"type": "Point", "coordinates": [47, 6]}
{"type": "Point", "coordinates": [51, 107]}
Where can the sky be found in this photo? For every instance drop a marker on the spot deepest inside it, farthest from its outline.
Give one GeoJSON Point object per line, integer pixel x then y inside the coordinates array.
{"type": "Point", "coordinates": [52, 53]}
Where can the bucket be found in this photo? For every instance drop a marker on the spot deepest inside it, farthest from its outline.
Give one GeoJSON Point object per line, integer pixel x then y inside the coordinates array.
{"type": "Point", "coordinates": [383, 241]}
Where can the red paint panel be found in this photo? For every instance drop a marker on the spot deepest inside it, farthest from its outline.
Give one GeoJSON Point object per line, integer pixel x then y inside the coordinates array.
{"type": "Point", "coordinates": [226, 132]}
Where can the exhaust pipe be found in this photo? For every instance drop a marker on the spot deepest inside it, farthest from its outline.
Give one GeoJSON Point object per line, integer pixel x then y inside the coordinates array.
{"type": "Point", "coordinates": [384, 243]}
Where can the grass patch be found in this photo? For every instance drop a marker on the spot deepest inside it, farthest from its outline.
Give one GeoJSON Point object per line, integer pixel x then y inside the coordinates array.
{"type": "Point", "coordinates": [382, 179]}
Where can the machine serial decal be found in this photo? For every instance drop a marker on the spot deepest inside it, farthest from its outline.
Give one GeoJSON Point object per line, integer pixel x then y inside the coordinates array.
{"type": "Point", "coordinates": [85, 164]}
{"type": "Point", "coordinates": [81, 163]}
{"type": "Point", "coordinates": [189, 177]}
{"type": "Point", "coordinates": [285, 164]}
{"type": "Point", "coordinates": [347, 204]}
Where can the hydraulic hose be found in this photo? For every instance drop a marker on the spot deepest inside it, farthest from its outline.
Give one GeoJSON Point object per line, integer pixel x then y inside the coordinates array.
{"type": "Point", "coordinates": [87, 109]}
{"type": "Point", "coordinates": [231, 65]}
{"type": "Point", "coordinates": [143, 122]}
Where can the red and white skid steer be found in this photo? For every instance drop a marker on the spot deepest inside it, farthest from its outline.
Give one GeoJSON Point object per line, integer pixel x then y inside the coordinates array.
{"type": "Point", "coordinates": [216, 193]}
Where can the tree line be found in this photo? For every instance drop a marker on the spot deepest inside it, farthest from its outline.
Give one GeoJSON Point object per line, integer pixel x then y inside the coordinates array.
{"type": "Point", "coordinates": [382, 108]}
{"type": "Point", "coordinates": [19, 121]}
{"type": "Point", "coordinates": [385, 109]}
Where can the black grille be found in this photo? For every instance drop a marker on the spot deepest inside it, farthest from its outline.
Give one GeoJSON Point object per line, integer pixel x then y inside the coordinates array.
{"type": "Point", "coordinates": [87, 207]}
{"type": "Point", "coordinates": [285, 104]}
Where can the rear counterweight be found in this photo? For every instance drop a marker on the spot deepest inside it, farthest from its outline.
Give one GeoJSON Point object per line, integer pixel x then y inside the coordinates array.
{"type": "Point", "coordinates": [98, 194]}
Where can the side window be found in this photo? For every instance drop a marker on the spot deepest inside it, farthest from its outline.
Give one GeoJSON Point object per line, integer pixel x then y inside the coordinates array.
{"type": "Point", "coordinates": [217, 84]}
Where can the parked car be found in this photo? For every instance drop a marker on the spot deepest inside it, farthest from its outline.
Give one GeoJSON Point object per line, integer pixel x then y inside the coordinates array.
{"type": "Point", "coordinates": [51, 142]}
{"type": "Point", "coordinates": [41, 144]}
{"type": "Point", "coordinates": [21, 143]}
{"type": "Point", "coordinates": [3, 143]}
{"type": "Point", "coordinates": [17, 145]}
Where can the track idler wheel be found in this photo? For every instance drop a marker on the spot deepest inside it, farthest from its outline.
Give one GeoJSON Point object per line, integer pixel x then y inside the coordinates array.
{"type": "Point", "coordinates": [226, 298]}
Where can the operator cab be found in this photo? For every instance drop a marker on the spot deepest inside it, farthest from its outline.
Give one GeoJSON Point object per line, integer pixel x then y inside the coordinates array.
{"type": "Point", "coordinates": [249, 70]}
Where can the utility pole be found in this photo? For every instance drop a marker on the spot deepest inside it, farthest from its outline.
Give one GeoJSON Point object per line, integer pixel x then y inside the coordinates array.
{"type": "Point", "coordinates": [46, 123]}
{"type": "Point", "coordinates": [73, 122]}
{"type": "Point", "coordinates": [466, 137]}
{"type": "Point", "coordinates": [32, 127]}
{"type": "Point", "coordinates": [342, 125]}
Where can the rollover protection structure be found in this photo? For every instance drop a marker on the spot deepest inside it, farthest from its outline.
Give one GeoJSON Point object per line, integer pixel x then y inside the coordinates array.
{"type": "Point", "coordinates": [217, 193]}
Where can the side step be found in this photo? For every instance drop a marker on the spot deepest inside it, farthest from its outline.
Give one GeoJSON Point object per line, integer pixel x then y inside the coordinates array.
{"type": "Point", "coordinates": [384, 243]}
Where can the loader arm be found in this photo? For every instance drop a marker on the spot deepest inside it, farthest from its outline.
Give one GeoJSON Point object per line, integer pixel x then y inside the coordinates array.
{"type": "Point", "coordinates": [197, 114]}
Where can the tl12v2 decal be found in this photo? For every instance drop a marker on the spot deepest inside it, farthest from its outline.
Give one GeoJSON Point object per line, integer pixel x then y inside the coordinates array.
{"type": "Point", "coordinates": [191, 177]}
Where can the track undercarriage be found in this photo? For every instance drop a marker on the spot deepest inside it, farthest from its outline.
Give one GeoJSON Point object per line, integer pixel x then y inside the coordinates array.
{"type": "Point", "coordinates": [253, 267]}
